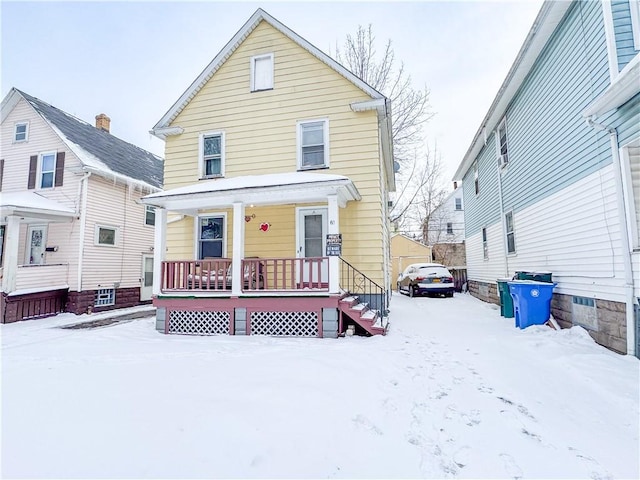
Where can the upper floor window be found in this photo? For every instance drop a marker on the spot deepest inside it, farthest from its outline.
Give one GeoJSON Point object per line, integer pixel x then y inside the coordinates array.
{"type": "Point", "coordinates": [634, 5]}
{"type": "Point", "coordinates": [262, 72]}
{"type": "Point", "coordinates": [511, 239]}
{"type": "Point", "coordinates": [503, 150]}
{"type": "Point", "coordinates": [450, 228]}
{"type": "Point", "coordinates": [212, 154]}
{"type": "Point", "coordinates": [313, 144]}
{"type": "Point", "coordinates": [458, 204]}
{"type": "Point", "coordinates": [47, 166]}
{"type": "Point", "coordinates": [476, 179]}
{"type": "Point", "coordinates": [149, 215]}
{"type": "Point", "coordinates": [21, 133]}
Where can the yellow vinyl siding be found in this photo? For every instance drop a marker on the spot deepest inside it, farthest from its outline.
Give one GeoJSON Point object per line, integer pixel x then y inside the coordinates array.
{"type": "Point", "coordinates": [261, 137]}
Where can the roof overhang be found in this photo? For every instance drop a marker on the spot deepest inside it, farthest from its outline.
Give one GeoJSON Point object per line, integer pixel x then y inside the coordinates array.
{"type": "Point", "coordinates": [622, 89]}
{"type": "Point", "coordinates": [270, 189]}
{"type": "Point", "coordinates": [551, 14]}
{"type": "Point", "coordinates": [33, 208]}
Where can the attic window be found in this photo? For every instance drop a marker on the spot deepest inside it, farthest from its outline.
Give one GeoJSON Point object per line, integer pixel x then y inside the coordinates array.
{"type": "Point", "coordinates": [21, 132]}
{"type": "Point", "coordinates": [262, 72]}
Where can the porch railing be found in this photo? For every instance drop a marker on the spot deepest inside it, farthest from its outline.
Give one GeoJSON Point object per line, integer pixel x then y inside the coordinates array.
{"type": "Point", "coordinates": [354, 282]}
{"type": "Point", "coordinates": [259, 275]}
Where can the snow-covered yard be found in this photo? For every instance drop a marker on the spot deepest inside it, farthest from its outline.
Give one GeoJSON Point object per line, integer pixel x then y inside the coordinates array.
{"type": "Point", "coordinates": [453, 390]}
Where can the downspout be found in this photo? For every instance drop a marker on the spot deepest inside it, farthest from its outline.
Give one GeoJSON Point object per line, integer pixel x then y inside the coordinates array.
{"type": "Point", "coordinates": [82, 207]}
{"type": "Point", "coordinates": [624, 232]}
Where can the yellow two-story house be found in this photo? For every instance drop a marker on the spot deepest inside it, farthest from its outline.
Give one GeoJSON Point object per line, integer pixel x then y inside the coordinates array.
{"type": "Point", "coordinates": [278, 166]}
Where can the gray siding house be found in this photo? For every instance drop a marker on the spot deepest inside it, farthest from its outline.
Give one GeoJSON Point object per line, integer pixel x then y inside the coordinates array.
{"type": "Point", "coordinates": [551, 179]}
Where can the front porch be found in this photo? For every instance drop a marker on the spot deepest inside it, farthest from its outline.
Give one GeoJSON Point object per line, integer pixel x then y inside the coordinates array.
{"type": "Point", "coordinates": [255, 290]}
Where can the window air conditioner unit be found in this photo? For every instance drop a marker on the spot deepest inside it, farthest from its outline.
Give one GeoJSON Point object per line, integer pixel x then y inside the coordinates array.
{"type": "Point", "coordinates": [503, 160]}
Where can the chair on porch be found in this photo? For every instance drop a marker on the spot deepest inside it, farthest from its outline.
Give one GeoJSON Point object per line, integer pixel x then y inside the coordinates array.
{"type": "Point", "coordinates": [221, 279]}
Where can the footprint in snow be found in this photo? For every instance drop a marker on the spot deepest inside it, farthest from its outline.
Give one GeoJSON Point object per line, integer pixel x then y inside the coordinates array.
{"type": "Point", "coordinates": [510, 466]}
{"type": "Point", "coordinates": [362, 421]}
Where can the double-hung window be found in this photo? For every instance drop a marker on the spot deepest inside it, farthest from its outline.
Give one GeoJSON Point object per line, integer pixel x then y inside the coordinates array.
{"type": "Point", "coordinates": [21, 133]}
{"type": "Point", "coordinates": [313, 144]}
{"type": "Point", "coordinates": [511, 239]}
{"type": "Point", "coordinates": [458, 204]}
{"type": "Point", "coordinates": [503, 151]}
{"type": "Point", "coordinates": [485, 244]}
{"type": "Point", "coordinates": [450, 228]}
{"type": "Point", "coordinates": [476, 177]}
{"type": "Point", "coordinates": [210, 237]}
{"type": "Point", "coordinates": [47, 169]}
{"type": "Point", "coordinates": [149, 215]}
{"type": "Point", "coordinates": [212, 154]}
{"type": "Point", "coordinates": [262, 72]}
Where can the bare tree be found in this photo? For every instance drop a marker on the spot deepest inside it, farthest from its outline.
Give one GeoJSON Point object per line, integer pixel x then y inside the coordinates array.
{"type": "Point", "coordinates": [410, 108]}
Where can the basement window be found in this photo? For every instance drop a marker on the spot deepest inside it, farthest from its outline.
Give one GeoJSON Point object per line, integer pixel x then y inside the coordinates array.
{"type": "Point", "coordinates": [105, 297]}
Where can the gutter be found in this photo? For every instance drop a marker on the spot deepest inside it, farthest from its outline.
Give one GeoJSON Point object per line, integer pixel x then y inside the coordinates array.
{"type": "Point", "coordinates": [624, 233]}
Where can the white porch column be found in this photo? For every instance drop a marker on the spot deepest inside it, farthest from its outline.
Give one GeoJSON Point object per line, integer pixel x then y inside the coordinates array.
{"type": "Point", "coordinates": [159, 248]}
{"type": "Point", "coordinates": [333, 227]}
{"type": "Point", "coordinates": [237, 277]}
{"type": "Point", "coordinates": [10, 269]}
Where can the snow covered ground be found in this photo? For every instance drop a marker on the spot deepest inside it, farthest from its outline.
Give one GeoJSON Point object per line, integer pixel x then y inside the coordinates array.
{"type": "Point", "coordinates": [453, 390]}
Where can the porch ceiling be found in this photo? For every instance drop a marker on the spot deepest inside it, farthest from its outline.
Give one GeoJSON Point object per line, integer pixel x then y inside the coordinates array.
{"type": "Point", "coordinates": [270, 189]}
{"type": "Point", "coordinates": [33, 208]}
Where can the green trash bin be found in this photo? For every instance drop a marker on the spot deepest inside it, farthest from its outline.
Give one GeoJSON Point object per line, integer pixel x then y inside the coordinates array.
{"type": "Point", "coordinates": [506, 301]}
{"type": "Point", "coordinates": [535, 276]}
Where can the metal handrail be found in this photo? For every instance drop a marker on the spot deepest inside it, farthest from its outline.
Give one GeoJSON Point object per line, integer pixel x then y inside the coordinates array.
{"type": "Point", "coordinates": [353, 281]}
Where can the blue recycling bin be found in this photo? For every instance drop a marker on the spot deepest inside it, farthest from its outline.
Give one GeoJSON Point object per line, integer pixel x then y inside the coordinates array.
{"type": "Point", "coordinates": [531, 301]}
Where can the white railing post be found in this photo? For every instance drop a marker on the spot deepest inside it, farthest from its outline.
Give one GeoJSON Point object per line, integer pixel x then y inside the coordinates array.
{"type": "Point", "coordinates": [237, 277]}
{"type": "Point", "coordinates": [333, 227]}
{"type": "Point", "coordinates": [159, 248]}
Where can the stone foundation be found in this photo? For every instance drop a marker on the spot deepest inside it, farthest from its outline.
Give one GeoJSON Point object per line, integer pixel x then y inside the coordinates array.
{"type": "Point", "coordinates": [607, 325]}
{"type": "Point", "coordinates": [79, 302]}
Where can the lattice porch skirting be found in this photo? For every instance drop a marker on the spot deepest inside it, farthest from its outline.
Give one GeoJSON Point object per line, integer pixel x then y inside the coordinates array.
{"type": "Point", "coordinates": [293, 324]}
{"type": "Point", "coordinates": [188, 322]}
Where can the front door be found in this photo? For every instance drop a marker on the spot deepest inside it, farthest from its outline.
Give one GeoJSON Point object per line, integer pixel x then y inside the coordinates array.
{"type": "Point", "coordinates": [312, 238]}
{"type": "Point", "coordinates": [36, 244]}
{"type": "Point", "coordinates": [146, 288]}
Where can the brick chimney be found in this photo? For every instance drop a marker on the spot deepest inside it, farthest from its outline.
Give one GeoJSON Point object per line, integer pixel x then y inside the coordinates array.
{"type": "Point", "coordinates": [103, 122]}
{"type": "Point", "coordinates": [455, 184]}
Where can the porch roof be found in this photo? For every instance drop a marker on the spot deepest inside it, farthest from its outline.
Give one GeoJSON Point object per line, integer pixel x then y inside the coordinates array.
{"type": "Point", "coordinates": [269, 189]}
{"type": "Point", "coordinates": [32, 207]}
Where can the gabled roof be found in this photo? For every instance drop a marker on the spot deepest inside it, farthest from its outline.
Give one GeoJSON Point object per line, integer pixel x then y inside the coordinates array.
{"type": "Point", "coordinates": [99, 151]}
{"type": "Point", "coordinates": [259, 16]}
{"type": "Point", "coordinates": [551, 14]}
{"type": "Point", "coordinates": [410, 239]}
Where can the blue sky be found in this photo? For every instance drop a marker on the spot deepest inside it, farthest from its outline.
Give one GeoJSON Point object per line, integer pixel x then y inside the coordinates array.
{"type": "Point", "coordinates": [132, 60]}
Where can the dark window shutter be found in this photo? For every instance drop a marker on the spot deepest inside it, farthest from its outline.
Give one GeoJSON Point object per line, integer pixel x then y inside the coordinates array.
{"type": "Point", "coordinates": [33, 170]}
{"type": "Point", "coordinates": [59, 169]}
{"type": "Point", "coordinates": [1, 172]}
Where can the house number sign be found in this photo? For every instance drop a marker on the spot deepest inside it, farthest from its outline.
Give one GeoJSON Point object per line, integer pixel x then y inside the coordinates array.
{"type": "Point", "coordinates": [334, 244]}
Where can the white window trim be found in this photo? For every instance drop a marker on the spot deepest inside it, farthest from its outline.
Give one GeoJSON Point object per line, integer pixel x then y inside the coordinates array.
{"type": "Point", "coordinates": [144, 220]}
{"type": "Point", "coordinates": [502, 125]}
{"type": "Point", "coordinates": [513, 232]}
{"type": "Point", "coordinates": [609, 34]}
{"type": "Point", "coordinates": [476, 178]}
{"type": "Point", "coordinates": [455, 205]}
{"type": "Point", "coordinates": [96, 236]}
{"type": "Point", "coordinates": [634, 6]}
{"type": "Point", "coordinates": [299, 143]}
{"type": "Point", "coordinates": [201, 153]}
{"type": "Point", "coordinates": [485, 243]}
{"type": "Point", "coordinates": [39, 171]}
{"type": "Point", "coordinates": [113, 297]}
{"type": "Point", "coordinates": [196, 228]}
{"type": "Point", "coordinates": [253, 68]}
{"type": "Point", "coordinates": [15, 132]}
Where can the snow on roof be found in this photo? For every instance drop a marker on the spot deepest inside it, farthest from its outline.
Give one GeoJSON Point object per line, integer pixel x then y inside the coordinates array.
{"type": "Point", "coordinates": [99, 151]}
{"type": "Point", "coordinates": [32, 201]}
{"type": "Point", "coordinates": [253, 181]}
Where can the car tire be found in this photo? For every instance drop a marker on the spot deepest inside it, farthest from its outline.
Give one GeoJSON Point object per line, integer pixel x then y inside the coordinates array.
{"type": "Point", "coordinates": [412, 291]}
{"type": "Point", "coordinates": [449, 294]}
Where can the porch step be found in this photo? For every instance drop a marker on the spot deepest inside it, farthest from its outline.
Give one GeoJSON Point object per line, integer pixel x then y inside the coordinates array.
{"type": "Point", "coordinates": [361, 314]}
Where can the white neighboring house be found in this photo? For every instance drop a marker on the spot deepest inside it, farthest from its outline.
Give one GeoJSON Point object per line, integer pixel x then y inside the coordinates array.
{"type": "Point", "coordinates": [73, 236]}
{"type": "Point", "coordinates": [445, 230]}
